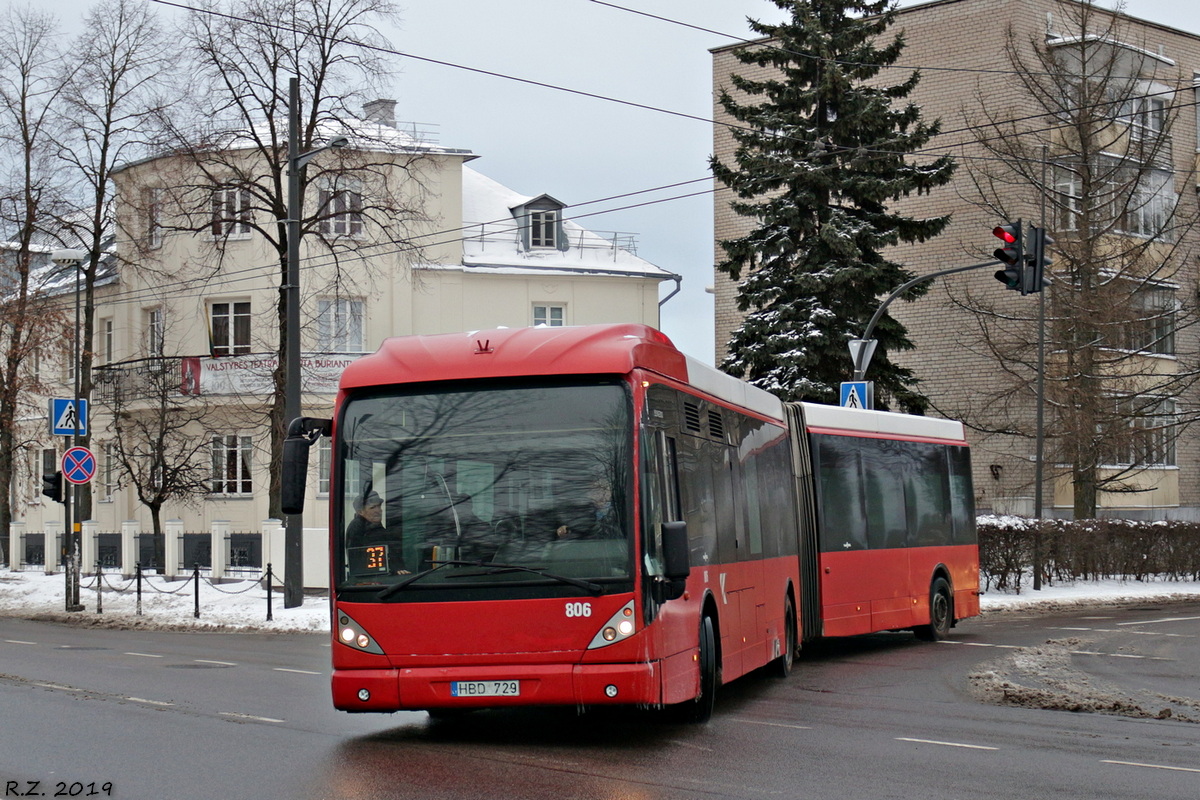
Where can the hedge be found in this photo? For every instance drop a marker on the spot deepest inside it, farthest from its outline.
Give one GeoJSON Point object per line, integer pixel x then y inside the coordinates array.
{"type": "Point", "coordinates": [1091, 549]}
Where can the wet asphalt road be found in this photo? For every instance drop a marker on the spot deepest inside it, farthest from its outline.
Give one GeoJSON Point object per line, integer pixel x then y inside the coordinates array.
{"type": "Point", "coordinates": [205, 715]}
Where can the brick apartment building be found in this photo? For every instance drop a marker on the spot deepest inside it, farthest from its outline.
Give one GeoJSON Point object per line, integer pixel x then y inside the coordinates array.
{"type": "Point", "coordinates": [968, 77]}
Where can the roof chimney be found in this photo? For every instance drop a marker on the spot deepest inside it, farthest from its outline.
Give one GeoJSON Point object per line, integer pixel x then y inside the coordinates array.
{"type": "Point", "coordinates": [382, 112]}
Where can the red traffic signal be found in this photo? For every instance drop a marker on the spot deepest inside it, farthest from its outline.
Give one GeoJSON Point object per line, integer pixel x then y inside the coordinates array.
{"type": "Point", "coordinates": [1012, 254]}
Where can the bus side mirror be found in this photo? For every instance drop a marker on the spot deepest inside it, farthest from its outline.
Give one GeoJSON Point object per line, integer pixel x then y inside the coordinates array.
{"type": "Point", "coordinates": [302, 433]}
{"type": "Point", "coordinates": [676, 557]}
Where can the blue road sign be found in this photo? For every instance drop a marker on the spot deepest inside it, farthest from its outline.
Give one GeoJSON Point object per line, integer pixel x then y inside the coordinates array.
{"type": "Point", "coordinates": [857, 394]}
{"type": "Point", "coordinates": [78, 465]}
{"type": "Point", "coordinates": [64, 415]}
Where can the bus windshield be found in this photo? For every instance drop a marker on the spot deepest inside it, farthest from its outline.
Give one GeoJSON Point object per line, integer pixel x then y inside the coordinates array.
{"type": "Point", "coordinates": [512, 491]}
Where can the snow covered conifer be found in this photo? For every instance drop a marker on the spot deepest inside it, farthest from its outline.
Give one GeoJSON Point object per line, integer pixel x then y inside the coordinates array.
{"type": "Point", "coordinates": [822, 148]}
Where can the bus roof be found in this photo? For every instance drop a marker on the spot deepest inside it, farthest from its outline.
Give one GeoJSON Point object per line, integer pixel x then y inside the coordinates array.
{"type": "Point", "coordinates": [884, 423]}
{"type": "Point", "coordinates": [615, 349]}
{"type": "Point", "coordinates": [508, 352]}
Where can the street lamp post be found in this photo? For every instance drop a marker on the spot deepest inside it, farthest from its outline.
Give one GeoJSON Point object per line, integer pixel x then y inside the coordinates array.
{"type": "Point", "coordinates": [73, 259]}
{"type": "Point", "coordinates": [293, 541]}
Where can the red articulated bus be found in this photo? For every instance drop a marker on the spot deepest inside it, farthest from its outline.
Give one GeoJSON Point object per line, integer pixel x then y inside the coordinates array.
{"type": "Point", "coordinates": [586, 516]}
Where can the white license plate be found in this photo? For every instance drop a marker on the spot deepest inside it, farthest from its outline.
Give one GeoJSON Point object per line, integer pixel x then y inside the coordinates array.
{"type": "Point", "coordinates": [485, 688]}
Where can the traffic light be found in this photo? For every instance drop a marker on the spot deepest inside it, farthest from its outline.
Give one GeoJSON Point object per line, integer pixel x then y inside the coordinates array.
{"type": "Point", "coordinates": [52, 485]}
{"type": "Point", "coordinates": [1012, 254]}
{"type": "Point", "coordinates": [1035, 275]}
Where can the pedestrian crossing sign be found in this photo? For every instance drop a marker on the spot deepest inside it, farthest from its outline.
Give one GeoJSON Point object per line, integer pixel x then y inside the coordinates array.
{"type": "Point", "coordinates": [66, 419]}
{"type": "Point", "coordinates": [858, 394]}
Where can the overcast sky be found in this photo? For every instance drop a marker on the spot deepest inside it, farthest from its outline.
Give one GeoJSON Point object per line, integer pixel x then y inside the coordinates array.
{"type": "Point", "coordinates": [579, 149]}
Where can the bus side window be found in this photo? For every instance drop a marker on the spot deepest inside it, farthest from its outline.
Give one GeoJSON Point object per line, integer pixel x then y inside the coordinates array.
{"type": "Point", "coordinates": [928, 494]}
{"type": "Point", "coordinates": [883, 470]}
{"type": "Point", "coordinates": [962, 496]}
{"type": "Point", "coordinates": [843, 523]}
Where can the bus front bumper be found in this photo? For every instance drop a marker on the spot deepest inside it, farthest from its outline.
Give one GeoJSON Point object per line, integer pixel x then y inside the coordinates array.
{"type": "Point", "coordinates": [384, 690]}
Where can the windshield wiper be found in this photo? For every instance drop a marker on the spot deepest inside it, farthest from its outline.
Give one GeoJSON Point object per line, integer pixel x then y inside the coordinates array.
{"type": "Point", "coordinates": [490, 568]}
{"type": "Point", "coordinates": [396, 587]}
{"type": "Point", "coordinates": [493, 568]}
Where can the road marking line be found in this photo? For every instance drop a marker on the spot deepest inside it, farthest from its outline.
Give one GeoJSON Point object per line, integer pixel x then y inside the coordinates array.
{"type": "Point", "coordinates": [17, 641]}
{"type": "Point", "coordinates": [248, 716]}
{"type": "Point", "coordinates": [208, 661]}
{"type": "Point", "coordinates": [144, 655]}
{"type": "Point", "coordinates": [55, 686]}
{"type": "Point", "coordinates": [946, 744]}
{"type": "Point", "coordinates": [1149, 766]}
{"type": "Point", "coordinates": [984, 644]}
{"type": "Point", "coordinates": [151, 702]}
{"type": "Point", "coordinates": [773, 724]}
{"type": "Point", "coordinates": [1164, 619]}
{"type": "Point", "coordinates": [1118, 655]}
{"type": "Point", "coordinates": [298, 671]}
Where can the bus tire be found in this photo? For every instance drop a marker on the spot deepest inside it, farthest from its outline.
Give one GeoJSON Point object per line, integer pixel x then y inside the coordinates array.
{"type": "Point", "coordinates": [941, 613]}
{"type": "Point", "coordinates": [699, 709]}
{"type": "Point", "coordinates": [782, 666]}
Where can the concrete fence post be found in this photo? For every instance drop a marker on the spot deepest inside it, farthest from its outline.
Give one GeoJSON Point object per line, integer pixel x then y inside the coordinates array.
{"type": "Point", "coordinates": [220, 548]}
{"type": "Point", "coordinates": [129, 547]}
{"type": "Point", "coordinates": [88, 544]}
{"type": "Point", "coordinates": [16, 552]}
{"type": "Point", "coordinates": [50, 540]}
{"type": "Point", "coordinates": [173, 548]}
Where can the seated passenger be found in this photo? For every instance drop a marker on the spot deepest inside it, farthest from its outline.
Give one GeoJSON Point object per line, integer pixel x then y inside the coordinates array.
{"type": "Point", "coordinates": [366, 529]}
{"type": "Point", "coordinates": [596, 519]}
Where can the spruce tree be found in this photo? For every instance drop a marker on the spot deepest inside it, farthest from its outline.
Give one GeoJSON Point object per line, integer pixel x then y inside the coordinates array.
{"type": "Point", "coordinates": [822, 149]}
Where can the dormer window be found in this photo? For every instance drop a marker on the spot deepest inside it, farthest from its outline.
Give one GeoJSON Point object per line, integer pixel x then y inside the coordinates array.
{"type": "Point", "coordinates": [540, 223]}
{"type": "Point", "coordinates": [543, 228]}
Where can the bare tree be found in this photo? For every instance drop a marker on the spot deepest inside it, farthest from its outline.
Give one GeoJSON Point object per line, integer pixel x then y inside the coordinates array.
{"type": "Point", "coordinates": [30, 87]}
{"type": "Point", "coordinates": [232, 180]}
{"type": "Point", "coordinates": [1098, 159]}
{"type": "Point", "coordinates": [159, 439]}
{"type": "Point", "coordinates": [113, 96]}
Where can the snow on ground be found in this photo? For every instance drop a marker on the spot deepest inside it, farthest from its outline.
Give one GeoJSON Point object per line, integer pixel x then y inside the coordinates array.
{"type": "Point", "coordinates": [228, 606]}
{"type": "Point", "coordinates": [243, 605]}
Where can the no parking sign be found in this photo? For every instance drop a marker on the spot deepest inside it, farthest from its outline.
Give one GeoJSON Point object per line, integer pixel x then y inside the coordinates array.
{"type": "Point", "coordinates": [78, 465]}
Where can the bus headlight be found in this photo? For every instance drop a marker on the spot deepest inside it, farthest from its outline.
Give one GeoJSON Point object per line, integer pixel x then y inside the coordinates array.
{"type": "Point", "coordinates": [620, 626]}
{"type": "Point", "coordinates": [352, 634]}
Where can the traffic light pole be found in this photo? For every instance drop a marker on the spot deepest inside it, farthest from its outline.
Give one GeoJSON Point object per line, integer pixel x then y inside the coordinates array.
{"type": "Point", "coordinates": [860, 362]}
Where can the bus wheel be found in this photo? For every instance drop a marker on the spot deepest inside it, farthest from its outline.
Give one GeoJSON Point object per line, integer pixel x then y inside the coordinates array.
{"type": "Point", "coordinates": [782, 666]}
{"type": "Point", "coordinates": [941, 613]}
{"type": "Point", "coordinates": [700, 709]}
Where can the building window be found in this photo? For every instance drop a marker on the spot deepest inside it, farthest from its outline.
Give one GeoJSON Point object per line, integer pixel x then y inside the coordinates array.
{"type": "Point", "coordinates": [1196, 92]}
{"type": "Point", "coordinates": [543, 228]}
{"type": "Point", "coordinates": [1150, 439]}
{"type": "Point", "coordinates": [231, 464]}
{"type": "Point", "coordinates": [324, 462]}
{"type": "Point", "coordinates": [231, 212]}
{"type": "Point", "coordinates": [1152, 323]}
{"type": "Point", "coordinates": [1125, 198]}
{"type": "Point", "coordinates": [230, 329]}
{"type": "Point", "coordinates": [108, 472]}
{"type": "Point", "coordinates": [339, 325]}
{"type": "Point", "coordinates": [1145, 116]}
{"type": "Point", "coordinates": [107, 340]}
{"type": "Point", "coordinates": [340, 209]}
{"type": "Point", "coordinates": [550, 316]}
{"type": "Point", "coordinates": [152, 203]}
{"type": "Point", "coordinates": [155, 332]}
